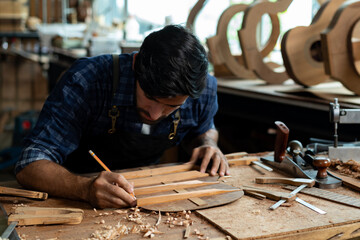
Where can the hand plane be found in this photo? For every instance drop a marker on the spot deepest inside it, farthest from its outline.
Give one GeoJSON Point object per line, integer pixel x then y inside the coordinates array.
{"type": "Point", "coordinates": [292, 160]}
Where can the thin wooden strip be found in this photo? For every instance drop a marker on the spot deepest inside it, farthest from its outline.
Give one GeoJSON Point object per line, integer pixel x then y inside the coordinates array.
{"type": "Point", "coordinates": [348, 181]}
{"type": "Point", "coordinates": [243, 161]}
{"type": "Point", "coordinates": [181, 196]}
{"type": "Point", "coordinates": [171, 186]}
{"type": "Point", "coordinates": [158, 171]}
{"type": "Point", "coordinates": [187, 232]}
{"type": "Point", "coordinates": [147, 181]}
{"type": "Point", "coordinates": [23, 193]}
{"type": "Point", "coordinates": [195, 200]}
{"type": "Point", "coordinates": [235, 155]}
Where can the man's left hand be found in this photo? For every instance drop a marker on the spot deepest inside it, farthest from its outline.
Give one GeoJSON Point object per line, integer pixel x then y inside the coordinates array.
{"type": "Point", "coordinates": [211, 153]}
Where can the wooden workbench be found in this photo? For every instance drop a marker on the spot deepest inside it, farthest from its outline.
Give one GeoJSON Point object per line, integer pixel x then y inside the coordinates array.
{"type": "Point", "coordinates": [246, 218]}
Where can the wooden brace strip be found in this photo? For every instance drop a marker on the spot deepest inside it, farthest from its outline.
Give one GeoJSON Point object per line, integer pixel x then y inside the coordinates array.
{"type": "Point", "coordinates": [171, 186]}
{"type": "Point", "coordinates": [181, 196]}
{"type": "Point", "coordinates": [158, 171]}
{"type": "Point", "coordinates": [147, 181]}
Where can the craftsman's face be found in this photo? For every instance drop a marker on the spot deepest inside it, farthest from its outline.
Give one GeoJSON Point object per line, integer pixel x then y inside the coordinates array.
{"type": "Point", "coordinates": [152, 109]}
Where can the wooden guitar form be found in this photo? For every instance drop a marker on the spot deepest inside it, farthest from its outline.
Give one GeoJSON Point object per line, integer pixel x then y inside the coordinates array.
{"type": "Point", "coordinates": [339, 50]}
{"type": "Point", "coordinates": [247, 35]}
{"type": "Point", "coordinates": [301, 48]}
{"type": "Point", "coordinates": [193, 14]}
{"type": "Point", "coordinates": [226, 64]}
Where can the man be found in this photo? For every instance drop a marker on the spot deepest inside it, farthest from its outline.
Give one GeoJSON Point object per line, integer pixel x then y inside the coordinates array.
{"type": "Point", "coordinates": [127, 110]}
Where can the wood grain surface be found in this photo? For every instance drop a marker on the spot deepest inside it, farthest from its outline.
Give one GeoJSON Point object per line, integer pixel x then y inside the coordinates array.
{"type": "Point", "coordinates": [250, 218]}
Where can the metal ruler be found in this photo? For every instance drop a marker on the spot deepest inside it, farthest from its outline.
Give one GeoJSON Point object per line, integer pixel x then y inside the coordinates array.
{"type": "Point", "coordinates": [331, 196]}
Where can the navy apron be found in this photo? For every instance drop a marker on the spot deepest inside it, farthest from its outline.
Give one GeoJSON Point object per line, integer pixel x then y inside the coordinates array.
{"type": "Point", "coordinates": [119, 149]}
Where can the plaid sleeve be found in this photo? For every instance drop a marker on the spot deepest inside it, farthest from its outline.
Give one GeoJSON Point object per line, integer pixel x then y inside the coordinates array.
{"type": "Point", "coordinates": [58, 129]}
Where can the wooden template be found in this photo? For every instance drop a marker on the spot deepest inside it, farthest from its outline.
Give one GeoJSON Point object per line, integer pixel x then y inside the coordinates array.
{"type": "Point", "coordinates": [23, 193]}
{"type": "Point", "coordinates": [337, 46]}
{"type": "Point", "coordinates": [247, 35]}
{"type": "Point", "coordinates": [301, 47]}
{"type": "Point", "coordinates": [158, 179]}
{"type": "Point", "coordinates": [45, 216]}
{"type": "Point", "coordinates": [193, 14]}
{"type": "Point", "coordinates": [158, 171]}
{"type": "Point", "coordinates": [225, 64]}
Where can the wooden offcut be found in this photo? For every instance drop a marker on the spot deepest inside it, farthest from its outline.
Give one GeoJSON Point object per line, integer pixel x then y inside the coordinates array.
{"type": "Point", "coordinates": [23, 193]}
{"type": "Point", "coordinates": [46, 216]}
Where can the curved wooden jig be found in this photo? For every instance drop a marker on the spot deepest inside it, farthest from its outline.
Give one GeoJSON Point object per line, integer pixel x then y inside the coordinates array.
{"type": "Point", "coordinates": [301, 48]}
{"type": "Point", "coordinates": [247, 35]}
{"type": "Point", "coordinates": [337, 46]}
{"type": "Point", "coordinates": [193, 14]}
{"type": "Point", "coordinates": [226, 64]}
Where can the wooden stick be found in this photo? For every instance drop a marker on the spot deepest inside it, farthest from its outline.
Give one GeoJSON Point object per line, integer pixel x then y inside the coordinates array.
{"type": "Point", "coordinates": [291, 181]}
{"type": "Point", "coordinates": [243, 161]}
{"type": "Point", "coordinates": [158, 179]}
{"type": "Point", "coordinates": [171, 186]}
{"type": "Point", "coordinates": [235, 155]}
{"type": "Point", "coordinates": [23, 193]}
{"type": "Point", "coordinates": [158, 171]}
{"type": "Point", "coordinates": [181, 196]}
{"type": "Point", "coordinates": [274, 195]}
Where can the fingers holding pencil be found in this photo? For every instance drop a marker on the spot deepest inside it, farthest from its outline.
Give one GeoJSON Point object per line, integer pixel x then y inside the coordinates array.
{"type": "Point", "coordinates": [118, 180]}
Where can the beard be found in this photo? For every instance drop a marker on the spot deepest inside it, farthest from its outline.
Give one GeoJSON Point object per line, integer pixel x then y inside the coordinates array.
{"type": "Point", "coordinates": [145, 115]}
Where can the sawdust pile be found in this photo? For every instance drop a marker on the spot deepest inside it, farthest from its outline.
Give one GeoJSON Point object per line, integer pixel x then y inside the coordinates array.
{"type": "Point", "coordinates": [351, 167]}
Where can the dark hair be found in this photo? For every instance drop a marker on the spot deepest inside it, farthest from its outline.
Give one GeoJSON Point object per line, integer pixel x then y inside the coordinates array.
{"type": "Point", "coordinates": [171, 62]}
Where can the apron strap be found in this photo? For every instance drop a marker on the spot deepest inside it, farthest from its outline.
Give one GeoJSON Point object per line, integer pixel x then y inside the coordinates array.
{"type": "Point", "coordinates": [115, 72]}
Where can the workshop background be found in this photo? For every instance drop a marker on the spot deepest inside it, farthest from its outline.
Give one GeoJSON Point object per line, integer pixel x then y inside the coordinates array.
{"type": "Point", "coordinates": [39, 39]}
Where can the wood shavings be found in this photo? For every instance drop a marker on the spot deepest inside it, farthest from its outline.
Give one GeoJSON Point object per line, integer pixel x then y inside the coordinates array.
{"type": "Point", "coordinates": [179, 219]}
{"type": "Point", "coordinates": [159, 219]}
{"type": "Point", "coordinates": [351, 167]}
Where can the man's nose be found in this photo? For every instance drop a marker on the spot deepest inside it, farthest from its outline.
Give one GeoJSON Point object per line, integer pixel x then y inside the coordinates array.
{"type": "Point", "coordinates": [156, 111]}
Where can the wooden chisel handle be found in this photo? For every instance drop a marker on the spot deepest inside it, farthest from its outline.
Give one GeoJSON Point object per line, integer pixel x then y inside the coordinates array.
{"type": "Point", "coordinates": [282, 134]}
{"type": "Point", "coordinates": [291, 181]}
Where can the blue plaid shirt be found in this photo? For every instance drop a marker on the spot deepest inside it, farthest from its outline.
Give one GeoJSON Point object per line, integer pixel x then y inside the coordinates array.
{"type": "Point", "coordinates": [78, 107]}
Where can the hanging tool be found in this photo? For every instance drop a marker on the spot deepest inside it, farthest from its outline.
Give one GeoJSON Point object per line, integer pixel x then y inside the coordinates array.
{"type": "Point", "coordinates": [293, 161]}
{"type": "Point", "coordinates": [345, 116]}
{"type": "Point", "coordinates": [300, 182]}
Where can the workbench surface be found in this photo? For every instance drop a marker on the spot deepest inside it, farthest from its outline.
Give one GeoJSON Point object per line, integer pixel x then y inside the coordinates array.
{"type": "Point", "coordinates": [246, 218]}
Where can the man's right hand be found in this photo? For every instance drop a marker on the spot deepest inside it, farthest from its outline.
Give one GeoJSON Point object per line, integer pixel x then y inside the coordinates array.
{"type": "Point", "coordinates": [111, 190]}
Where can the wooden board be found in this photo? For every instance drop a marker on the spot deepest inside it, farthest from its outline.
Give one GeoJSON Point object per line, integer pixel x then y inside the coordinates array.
{"type": "Point", "coordinates": [250, 218]}
{"type": "Point", "coordinates": [211, 201]}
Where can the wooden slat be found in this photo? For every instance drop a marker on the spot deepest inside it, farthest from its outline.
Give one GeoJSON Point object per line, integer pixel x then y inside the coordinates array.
{"type": "Point", "coordinates": [147, 181]}
{"type": "Point", "coordinates": [157, 171]}
{"type": "Point", "coordinates": [181, 196]}
{"type": "Point", "coordinates": [171, 186]}
{"type": "Point", "coordinates": [23, 193]}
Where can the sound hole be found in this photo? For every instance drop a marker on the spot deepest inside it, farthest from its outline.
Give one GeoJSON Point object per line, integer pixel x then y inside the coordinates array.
{"type": "Point", "coordinates": [315, 51]}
